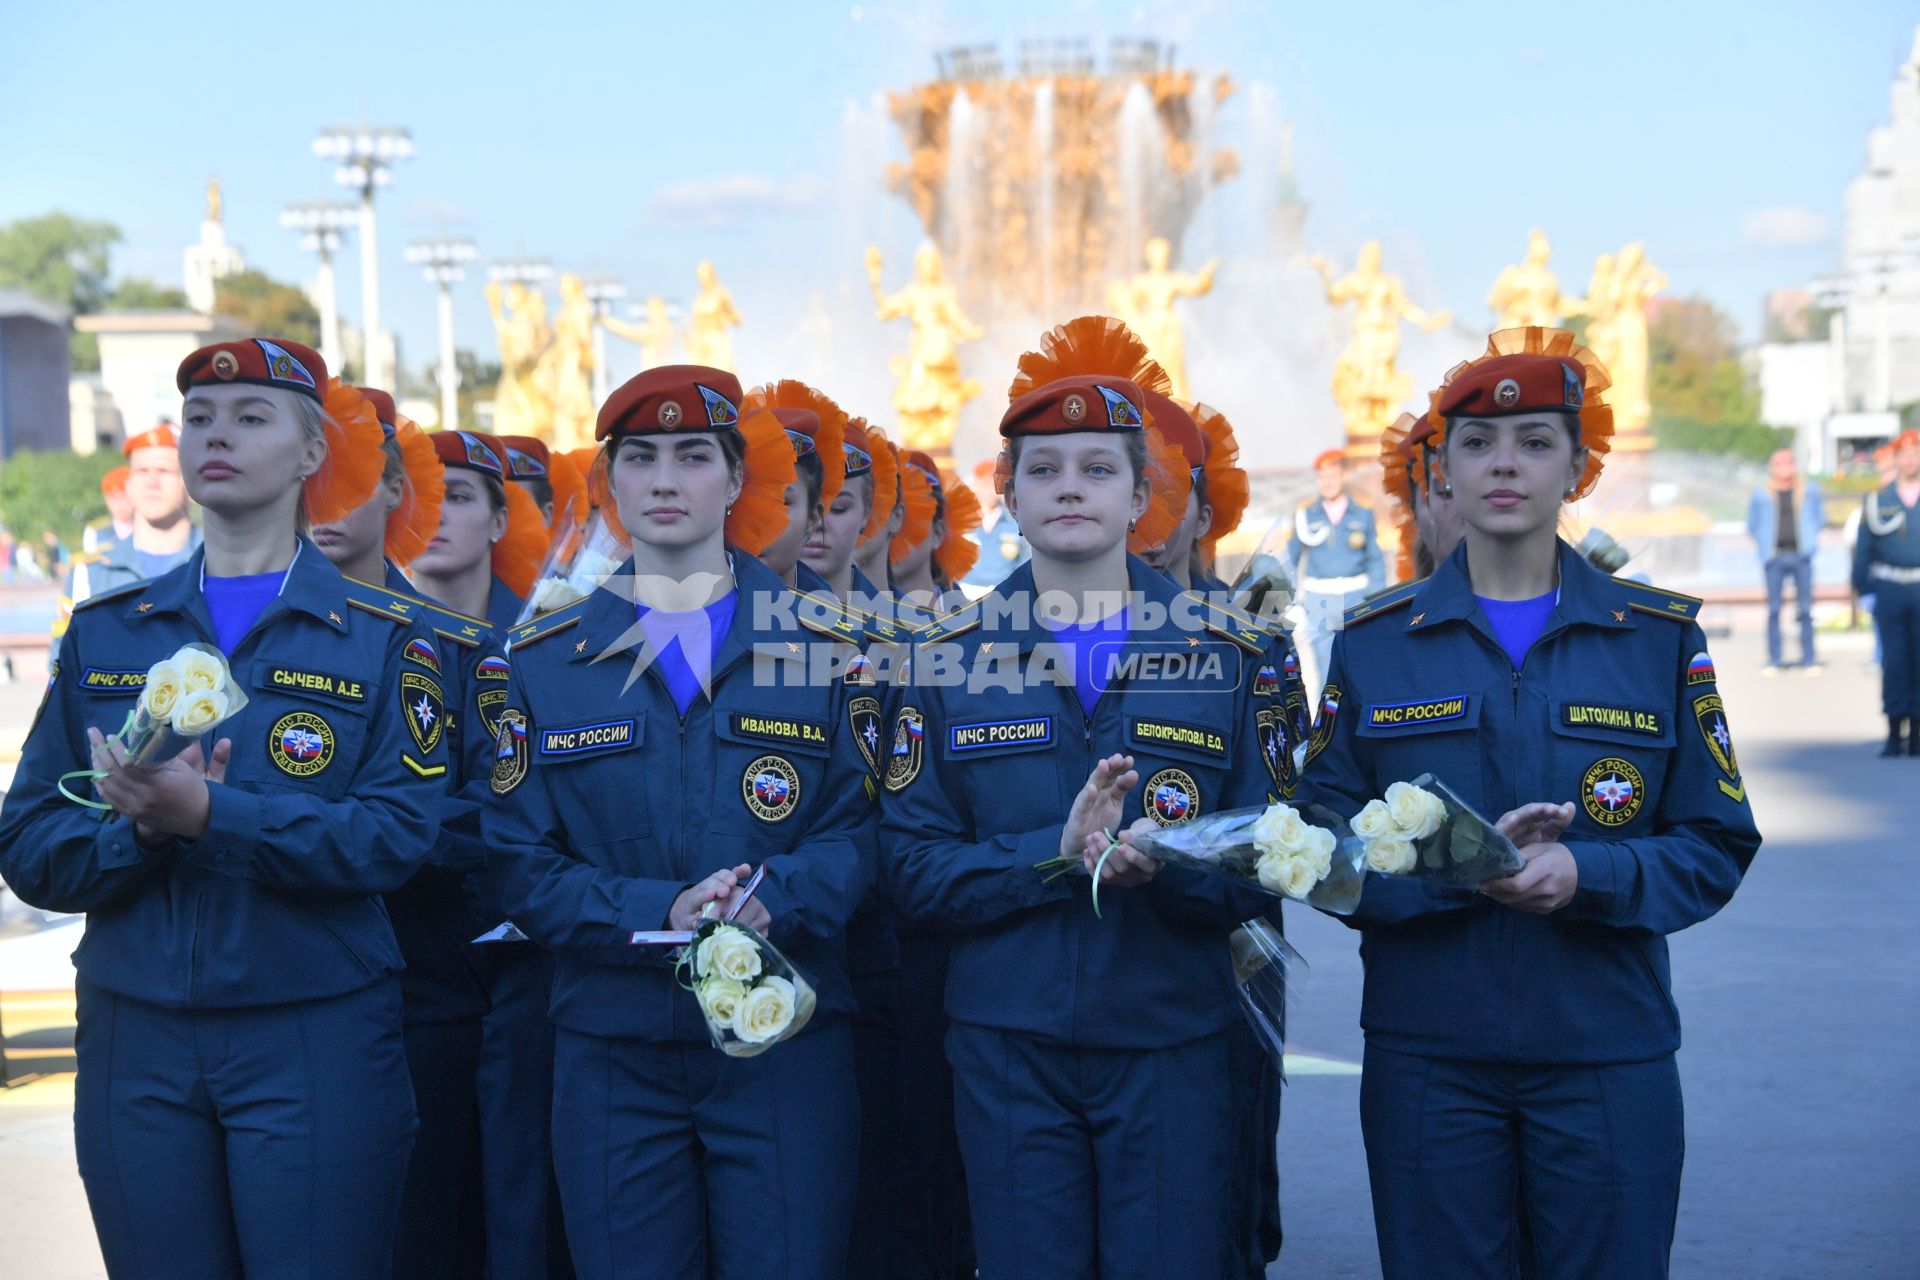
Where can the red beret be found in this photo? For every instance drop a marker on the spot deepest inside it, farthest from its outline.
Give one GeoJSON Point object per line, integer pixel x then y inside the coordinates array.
{"type": "Point", "coordinates": [115, 481]}
{"type": "Point", "coordinates": [858, 447]}
{"type": "Point", "coordinates": [671, 398]}
{"type": "Point", "coordinates": [1907, 437]}
{"type": "Point", "coordinates": [161, 437]}
{"type": "Point", "coordinates": [1507, 385]}
{"type": "Point", "coordinates": [1089, 402]}
{"type": "Point", "coordinates": [266, 362]}
{"type": "Point", "coordinates": [925, 465]}
{"type": "Point", "coordinates": [382, 408]}
{"type": "Point", "coordinates": [1330, 458]}
{"type": "Point", "coordinates": [473, 450]}
{"type": "Point", "coordinates": [1176, 427]}
{"type": "Point", "coordinates": [527, 457]}
{"type": "Point", "coordinates": [802, 426]}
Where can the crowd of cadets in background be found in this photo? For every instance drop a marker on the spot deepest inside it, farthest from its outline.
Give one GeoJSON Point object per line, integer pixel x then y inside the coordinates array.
{"type": "Point", "coordinates": [360, 993]}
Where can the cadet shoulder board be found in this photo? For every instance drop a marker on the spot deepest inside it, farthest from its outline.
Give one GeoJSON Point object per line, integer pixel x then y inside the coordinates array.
{"type": "Point", "coordinates": [1383, 601]}
{"type": "Point", "coordinates": [547, 624]}
{"type": "Point", "coordinates": [1243, 629]}
{"type": "Point", "coordinates": [1660, 602]}
{"type": "Point", "coordinates": [114, 594]}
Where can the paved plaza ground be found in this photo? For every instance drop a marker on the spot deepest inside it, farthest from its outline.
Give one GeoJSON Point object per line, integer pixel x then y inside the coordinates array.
{"type": "Point", "coordinates": [1799, 1003]}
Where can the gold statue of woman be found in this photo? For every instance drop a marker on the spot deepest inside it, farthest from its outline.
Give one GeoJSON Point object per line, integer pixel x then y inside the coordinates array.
{"type": "Point", "coordinates": [1367, 382]}
{"type": "Point", "coordinates": [1145, 303]}
{"type": "Point", "coordinates": [708, 342]}
{"type": "Point", "coordinates": [1633, 281]}
{"type": "Point", "coordinates": [654, 337]}
{"type": "Point", "coordinates": [931, 390]}
{"type": "Point", "coordinates": [520, 327]}
{"type": "Point", "coordinates": [1529, 293]}
{"type": "Point", "coordinates": [565, 370]}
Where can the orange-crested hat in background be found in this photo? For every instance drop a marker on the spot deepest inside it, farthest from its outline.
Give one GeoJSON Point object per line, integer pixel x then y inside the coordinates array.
{"type": "Point", "coordinates": [886, 480]}
{"type": "Point", "coordinates": [160, 437]}
{"type": "Point", "coordinates": [1532, 370]}
{"type": "Point", "coordinates": [527, 458]}
{"type": "Point", "coordinates": [957, 553]}
{"type": "Point", "coordinates": [115, 481]}
{"type": "Point", "coordinates": [919, 497]}
{"type": "Point", "coordinates": [1228, 490]}
{"type": "Point", "coordinates": [517, 556]}
{"type": "Point", "coordinates": [413, 523]}
{"type": "Point", "coordinates": [814, 414]}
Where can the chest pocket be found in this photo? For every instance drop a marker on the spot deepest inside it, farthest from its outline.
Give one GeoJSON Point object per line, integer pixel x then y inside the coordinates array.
{"type": "Point", "coordinates": [1611, 754]}
{"type": "Point", "coordinates": [1000, 766]}
{"type": "Point", "coordinates": [769, 766]}
{"type": "Point", "coordinates": [594, 767]}
{"type": "Point", "coordinates": [291, 741]}
{"type": "Point", "coordinates": [1408, 736]}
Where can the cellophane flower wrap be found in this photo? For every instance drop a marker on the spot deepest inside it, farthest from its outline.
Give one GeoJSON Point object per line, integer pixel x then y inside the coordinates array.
{"type": "Point", "coordinates": [1274, 848]}
{"type": "Point", "coordinates": [1268, 974]}
{"type": "Point", "coordinates": [750, 995]}
{"type": "Point", "coordinates": [184, 698]}
{"type": "Point", "coordinates": [578, 560]}
{"type": "Point", "coordinates": [1423, 829]}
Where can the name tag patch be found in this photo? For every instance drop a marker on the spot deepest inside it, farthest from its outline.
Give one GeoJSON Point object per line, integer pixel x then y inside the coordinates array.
{"type": "Point", "coordinates": [583, 739]}
{"type": "Point", "coordinates": [1171, 733]}
{"type": "Point", "coordinates": [1390, 715]}
{"type": "Point", "coordinates": [1597, 715]}
{"type": "Point", "coordinates": [981, 735]}
{"type": "Point", "coordinates": [106, 680]}
{"type": "Point", "coordinates": [319, 683]}
{"type": "Point", "coordinates": [787, 729]}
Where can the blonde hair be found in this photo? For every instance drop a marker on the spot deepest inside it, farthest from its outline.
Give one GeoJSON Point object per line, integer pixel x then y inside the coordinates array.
{"type": "Point", "coordinates": [313, 420]}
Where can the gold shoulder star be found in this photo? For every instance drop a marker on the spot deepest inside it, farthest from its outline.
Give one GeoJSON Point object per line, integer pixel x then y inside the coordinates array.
{"type": "Point", "coordinates": [1193, 642]}
{"type": "Point", "coordinates": [1619, 615]}
{"type": "Point", "coordinates": [1414, 621]}
{"type": "Point", "coordinates": [793, 646]}
{"type": "Point", "coordinates": [333, 617]}
{"type": "Point", "coordinates": [582, 646]}
{"type": "Point", "coordinates": [143, 606]}
{"type": "Point", "coordinates": [987, 647]}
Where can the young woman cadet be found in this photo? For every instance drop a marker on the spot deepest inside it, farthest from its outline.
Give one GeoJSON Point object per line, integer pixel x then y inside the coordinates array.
{"type": "Point", "coordinates": [1521, 1037]}
{"type": "Point", "coordinates": [242, 1104]}
{"type": "Point", "coordinates": [1089, 1055]}
{"type": "Point", "coordinates": [483, 559]}
{"type": "Point", "coordinates": [641, 725]}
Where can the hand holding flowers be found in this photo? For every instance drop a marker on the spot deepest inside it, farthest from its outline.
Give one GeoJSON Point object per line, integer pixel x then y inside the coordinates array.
{"type": "Point", "coordinates": [1548, 880]}
{"type": "Point", "coordinates": [1422, 829]}
{"type": "Point", "coordinates": [750, 996]}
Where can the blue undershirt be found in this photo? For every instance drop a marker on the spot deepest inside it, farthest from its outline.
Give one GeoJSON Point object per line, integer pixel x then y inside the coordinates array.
{"type": "Point", "coordinates": [683, 645]}
{"type": "Point", "coordinates": [1518, 623]}
{"type": "Point", "coordinates": [1095, 647]}
{"type": "Point", "coordinates": [155, 563]}
{"type": "Point", "coordinates": [235, 604]}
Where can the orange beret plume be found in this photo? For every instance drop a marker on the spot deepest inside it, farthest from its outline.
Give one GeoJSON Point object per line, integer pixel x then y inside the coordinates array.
{"type": "Point", "coordinates": [791, 393]}
{"type": "Point", "coordinates": [1397, 454]}
{"type": "Point", "coordinates": [355, 460]}
{"type": "Point", "coordinates": [115, 481]}
{"type": "Point", "coordinates": [584, 460]}
{"type": "Point", "coordinates": [517, 556]}
{"type": "Point", "coordinates": [760, 512]}
{"type": "Point", "coordinates": [600, 490]}
{"type": "Point", "coordinates": [1596, 415]}
{"type": "Point", "coordinates": [569, 490]}
{"type": "Point", "coordinates": [1087, 346]}
{"type": "Point", "coordinates": [1227, 489]}
{"type": "Point", "coordinates": [1172, 485]}
{"type": "Point", "coordinates": [916, 495]}
{"type": "Point", "coordinates": [886, 480]}
{"type": "Point", "coordinates": [413, 523]}
{"type": "Point", "coordinates": [957, 552]}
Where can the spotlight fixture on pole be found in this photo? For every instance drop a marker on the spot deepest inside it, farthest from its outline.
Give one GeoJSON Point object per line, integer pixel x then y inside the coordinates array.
{"type": "Point", "coordinates": [364, 156]}
{"type": "Point", "coordinates": [321, 223]}
{"type": "Point", "coordinates": [605, 294]}
{"type": "Point", "coordinates": [443, 262]}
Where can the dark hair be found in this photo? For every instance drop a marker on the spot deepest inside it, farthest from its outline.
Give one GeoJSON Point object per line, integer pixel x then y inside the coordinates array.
{"type": "Point", "coordinates": [1423, 561]}
{"type": "Point", "coordinates": [395, 469]}
{"type": "Point", "coordinates": [496, 490]}
{"type": "Point", "coordinates": [1134, 445]}
{"type": "Point", "coordinates": [1199, 484]}
{"type": "Point", "coordinates": [539, 488]}
{"type": "Point", "coordinates": [808, 471]}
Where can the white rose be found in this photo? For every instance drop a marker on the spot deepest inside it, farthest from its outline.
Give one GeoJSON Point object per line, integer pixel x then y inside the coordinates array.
{"type": "Point", "coordinates": [1391, 855]}
{"type": "Point", "coordinates": [200, 670]}
{"type": "Point", "coordinates": [552, 593]}
{"type": "Point", "coordinates": [1293, 876]}
{"type": "Point", "coordinates": [1417, 813]}
{"type": "Point", "coordinates": [163, 691]}
{"type": "Point", "coordinates": [1280, 830]}
{"type": "Point", "coordinates": [200, 711]}
{"type": "Point", "coordinates": [1320, 847]}
{"type": "Point", "coordinates": [720, 1000]}
{"type": "Point", "coordinates": [1373, 821]}
{"type": "Point", "coordinates": [766, 1012]}
{"type": "Point", "coordinates": [728, 952]}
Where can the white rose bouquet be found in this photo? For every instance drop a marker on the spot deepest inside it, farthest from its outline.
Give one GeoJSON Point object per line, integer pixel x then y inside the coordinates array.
{"type": "Point", "coordinates": [183, 698]}
{"type": "Point", "coordinates": [1424, 830]}
{"type": "Point", "coordinates": [751, 997]}
{"type": "Point", "coordinates": [1273, 848]}
{"type": "Point", "coordinates": [1268, 974]}
{"type": "Point", "coordinates": [578, 560]}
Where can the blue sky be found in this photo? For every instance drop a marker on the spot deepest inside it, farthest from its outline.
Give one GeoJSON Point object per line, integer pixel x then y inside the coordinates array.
{"type": "Point", "coordinates": [633, 139]}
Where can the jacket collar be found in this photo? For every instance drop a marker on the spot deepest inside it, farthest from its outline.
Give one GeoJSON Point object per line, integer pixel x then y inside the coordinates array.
{"type": "Point", "coordinates": [760, 617]}
{"type": "Point", "coordinates": [313, 587]}
{"type": "Point", "coordinates": [1007, 612]}
{"type": "Point", "coordinates": [1588, 597]}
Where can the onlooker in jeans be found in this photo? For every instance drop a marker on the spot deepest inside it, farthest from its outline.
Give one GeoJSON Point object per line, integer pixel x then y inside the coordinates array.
{"type": "Point", "coordinates": [1785, 518]}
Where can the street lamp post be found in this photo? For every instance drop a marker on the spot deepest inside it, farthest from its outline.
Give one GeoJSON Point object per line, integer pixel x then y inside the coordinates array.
{"type": "Point", "coordinates": [603, 293]}
{"type": "Point", "coordinates": [443, 262]}
{"type": "Point", "coordinates": [364, 156]}
{"type": "Point", "coordinates": [320, 224]}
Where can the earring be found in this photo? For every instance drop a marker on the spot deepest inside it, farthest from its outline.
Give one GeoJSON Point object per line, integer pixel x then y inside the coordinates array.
{"type": "Point", "coordinates": [1570, 489]}
{"type": "Point", "coordinates": [1131, 524]}
{"type": "Point", "coordinates": [729, 508]}
{"type": "Point", "coordinates": [1446, 490]}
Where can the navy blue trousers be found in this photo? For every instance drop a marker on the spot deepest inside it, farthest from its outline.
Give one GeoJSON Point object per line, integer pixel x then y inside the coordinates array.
{"type": "Point", "coordinates": [267, 1142]}
{"type": "Point", "coordinates": [874, 1250]}
{"type": "Point", "coordinates": [1109, 1163]}
{"type": "Point", "coordinates": [677, 1162]}
{"type": "Point", "coordinates": [934, 1233]}
{"type": "Point", "coordinates": [526, 1239]}
{"type": "Point", "coordinates": [1590, 1154]}
{"type": "Point", "coordinates": [1896, 613]}
{"type": "Point", "coordinates": [442, 1231]}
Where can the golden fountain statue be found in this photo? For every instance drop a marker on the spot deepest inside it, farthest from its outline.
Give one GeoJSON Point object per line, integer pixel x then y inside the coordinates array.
{"type": "Point", "coordinates": [708, 341]}
{"type": "Point", "coordinates": [1368, 384]}
{"type": "Point", "coordinates": [1529, 293]}
{"type": "Point", "coordinates": [654, 336]}
{"type": "Point", "coordinates": [931, 389]}
{"type": "Point", "coordinates": [1145, 302]}
{"type": "Point", "coordinates": [565, 370]}
{"type": "Point", "coordinates": [520, 326]}
{"type": "Point", "coordinates": [1617, 331]}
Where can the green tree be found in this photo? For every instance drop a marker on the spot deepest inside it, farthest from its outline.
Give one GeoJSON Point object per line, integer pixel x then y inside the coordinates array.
{"type": "Point", "coordinates": [263, 305]}
{"type": "Point", "coordinates": [63, 259]}
{"type": "Point", "coordinates": [1703, 399]}
{"type": "Point", "coordinates": [53, 490]}
{"type": "Point", "coordinates": [138, 294]}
